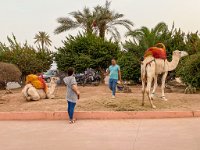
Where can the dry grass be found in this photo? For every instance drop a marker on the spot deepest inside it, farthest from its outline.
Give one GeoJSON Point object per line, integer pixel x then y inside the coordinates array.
{"type": "Point", "coordinates": [99, 99]}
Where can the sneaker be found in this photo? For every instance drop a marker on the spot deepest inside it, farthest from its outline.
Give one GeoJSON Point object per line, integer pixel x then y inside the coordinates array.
{"type": "Point", "coordinates": [113, 97]}
{"type": "Point", "coordinates": [71, 121]}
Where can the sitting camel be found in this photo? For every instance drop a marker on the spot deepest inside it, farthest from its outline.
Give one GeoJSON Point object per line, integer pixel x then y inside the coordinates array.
{"type": "Point", "coordinates": [31, 93]}
{"type": "Point", "coordinates": [151, 67]}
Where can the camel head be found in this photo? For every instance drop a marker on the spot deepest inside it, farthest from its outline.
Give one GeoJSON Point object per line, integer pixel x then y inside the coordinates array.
{"type": "Point", "coordinates": [179, 54]}
{"type": "Point", "coordinates": [52, 87]}
{"type": "Point", "coordinates": [176, 56]}
{"type": "Point", "coordinates": [54, 80]}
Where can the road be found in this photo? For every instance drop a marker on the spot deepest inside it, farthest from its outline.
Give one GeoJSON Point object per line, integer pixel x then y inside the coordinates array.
{"type": "Point", "coordinates": [157, 134]}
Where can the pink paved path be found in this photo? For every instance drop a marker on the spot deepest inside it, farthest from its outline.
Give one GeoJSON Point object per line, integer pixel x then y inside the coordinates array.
{"type": "Point", "coordinates": [157, 134]}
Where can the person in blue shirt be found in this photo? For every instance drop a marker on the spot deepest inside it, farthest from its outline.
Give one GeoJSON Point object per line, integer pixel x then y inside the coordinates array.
{"type": "Point", "coordinates": [115, 75]}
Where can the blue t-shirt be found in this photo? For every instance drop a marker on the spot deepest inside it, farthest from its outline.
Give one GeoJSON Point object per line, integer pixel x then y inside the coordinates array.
{"type": "Point", "coordinates": [114, 71]}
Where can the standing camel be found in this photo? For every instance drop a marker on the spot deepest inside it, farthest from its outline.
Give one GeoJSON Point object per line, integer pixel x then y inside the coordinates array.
{"type": "Point", "coordinates": [150, 69]}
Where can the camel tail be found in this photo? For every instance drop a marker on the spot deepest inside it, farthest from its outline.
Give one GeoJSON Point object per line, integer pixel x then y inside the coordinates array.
{"type": "Point", "coordinates": [143, 72]}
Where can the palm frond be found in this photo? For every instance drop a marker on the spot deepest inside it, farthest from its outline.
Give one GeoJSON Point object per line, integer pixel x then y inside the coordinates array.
{"type": "Point", "coordinates": [65, 24]}
{"type": "Point", "coordinates": [160, 27]}
{"type": "Point", "coordinates": [114, 33]}
{"type": "Point", "coordinates": [42, 38]}
{"type": "Point", "coordinates": [107, 5]}
{"type": "Point", "coordinates": [117, 16]}
{"type": "Point", "coordinates": [126, 23]}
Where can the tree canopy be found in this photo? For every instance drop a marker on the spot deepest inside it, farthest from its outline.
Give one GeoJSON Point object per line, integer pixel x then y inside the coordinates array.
{"type": "Point", "coordinates": [42, 39]}
{"type": "Point", "coordinates": [27, 58]}
{"type": "Point", "coordinates": [148, 37]}
{"type": "Point", "coordinates": [86, 51]}
{"type": "Point", "coordinates": [189, 70]}
{"type": "Point", "coordinates": [101, 20]}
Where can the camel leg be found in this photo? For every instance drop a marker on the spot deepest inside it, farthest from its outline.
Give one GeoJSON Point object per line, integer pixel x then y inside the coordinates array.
{"type": "Point", "coordinates": [143, 78]}
{"type": "Point", "coordinates": [33, 93]}
{"type": "Point", "coordinates": [163, 86]}
{"type": "Point", "coordinates": [143, 91]}
{"type": "Point", "coordinates": [154, 87]}
{"type": "Point", "coordinates": [148, 89]}
{"type": "Point", "coordinates": [25, 91]}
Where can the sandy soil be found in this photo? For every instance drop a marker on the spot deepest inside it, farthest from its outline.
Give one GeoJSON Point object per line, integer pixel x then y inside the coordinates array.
{"type": "Point", "coordinates": [99, 99]}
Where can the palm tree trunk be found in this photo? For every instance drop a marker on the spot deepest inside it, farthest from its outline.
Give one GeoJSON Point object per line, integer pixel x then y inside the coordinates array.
{"type": "Point", "coordinates": [102, 72]}
{"type": "Point", "coordinates": [102, 34]}
{"type": "Point", "coordinates": [89, 29]}
{"type": "Point", "coordinates": [102, 31]}
{"type": "Point", "coordinates": [42, 44]}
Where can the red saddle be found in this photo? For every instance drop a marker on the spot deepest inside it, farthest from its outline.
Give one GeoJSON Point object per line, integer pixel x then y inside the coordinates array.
{"type": "Point", "coordinates": [156, 52]}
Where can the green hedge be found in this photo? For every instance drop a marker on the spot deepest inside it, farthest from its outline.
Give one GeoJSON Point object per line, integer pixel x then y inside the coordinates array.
{"type": "Point", "coordinates": [189, 70]}
{"type": "Point", "coordinates": [130, 67]}
{"type": "Point", "coordinates": [86, 51]}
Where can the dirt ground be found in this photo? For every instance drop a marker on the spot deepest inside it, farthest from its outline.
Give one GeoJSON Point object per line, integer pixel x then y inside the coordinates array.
{"type": "Point", "coordinates": [98, 98]}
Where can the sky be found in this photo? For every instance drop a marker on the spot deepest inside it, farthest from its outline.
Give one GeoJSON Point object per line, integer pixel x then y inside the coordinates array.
{"type": "Point", "coordinates": [25, 18]}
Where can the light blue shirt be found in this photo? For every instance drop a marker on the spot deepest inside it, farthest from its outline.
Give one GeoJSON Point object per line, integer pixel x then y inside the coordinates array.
{"type": "Point", "coordinates": [114, 70]}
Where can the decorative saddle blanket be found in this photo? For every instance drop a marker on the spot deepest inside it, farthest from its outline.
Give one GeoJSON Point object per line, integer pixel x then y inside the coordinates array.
{"type": "Point", "coordinates": [36, 81]}
{"type": "Point", "coordinates": [156, 52]}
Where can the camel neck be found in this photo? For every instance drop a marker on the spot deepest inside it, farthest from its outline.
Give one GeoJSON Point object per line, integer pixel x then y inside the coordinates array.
{"type": "Point", "coordinates": [173, 64]}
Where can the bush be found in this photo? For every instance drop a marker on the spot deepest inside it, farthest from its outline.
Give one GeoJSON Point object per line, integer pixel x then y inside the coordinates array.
{"type": "Point", "coordinates": [28, 59]}
{"type": "Point", "coordinates": [8, 73]}
{"type": "Point", "coordinates": [86, 51]}
{"type": "Point", "coordinates": [189, 70]}
{"type": "Point", "coordinates": [130, 67]}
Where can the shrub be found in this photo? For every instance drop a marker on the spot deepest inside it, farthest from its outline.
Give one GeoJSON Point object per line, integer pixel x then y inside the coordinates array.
{"type": "Point", "coordinates": [28, 59]}
{"type": "Point", "coordinates": [130, 67]}
{"type": "Point", "coordinates": [86, 51]}
{"type": "Point", "coordinates": [8, 73]}
{"type": "Point", "coordinates": [189, 70]}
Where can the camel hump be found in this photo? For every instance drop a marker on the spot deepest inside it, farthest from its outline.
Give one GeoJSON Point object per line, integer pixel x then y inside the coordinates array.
{"type": "Point", "coordinates": [158, 51]}
{"type": "Point", "coordinates": [36, 81]}
{"type": "Point", "coordinates": [160, 45]}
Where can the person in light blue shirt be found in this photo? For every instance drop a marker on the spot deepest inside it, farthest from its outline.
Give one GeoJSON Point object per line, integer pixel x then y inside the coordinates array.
{"type": "Point", "coordinates": [115, 75]}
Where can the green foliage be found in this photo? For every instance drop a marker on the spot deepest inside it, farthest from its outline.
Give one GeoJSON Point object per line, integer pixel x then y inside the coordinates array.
{"type": "Point", "coordinates": [106, 21]}
{"type": "Point", "coordinates": [134, 48]}
{"type": "Point", "coordinates": [193, 43]}
{"type": "Point", "coordinates": [141, 40]}
{"type": "Point", "coordinates": [42, 39]}
{"type": "Point", "coordinates": [79, 19]}
{"type": "Point", "coordinates": [86, 51]}
{"type": "Point", "coordinates": [130, 67]}
{"type": "Point", "coordinates": [174, 39]}
{"type": "Point", "coordinates": [189, 70]}
{"type": "Point", "coordinates": [25, 57]}
{"type": "Point", "coordinates": [101, 19]}
{"type": "Point", "coordinates": [145, 37]}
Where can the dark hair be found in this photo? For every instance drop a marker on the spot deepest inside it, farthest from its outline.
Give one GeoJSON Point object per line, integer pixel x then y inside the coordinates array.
{"type": "Point", "coordinates": [70, 71]}
{"type": "Point", "coordinates": [113, 59]}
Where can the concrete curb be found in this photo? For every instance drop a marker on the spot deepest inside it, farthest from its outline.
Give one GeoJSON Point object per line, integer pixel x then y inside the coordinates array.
{"type": "Point", "coordinates": [98, 115]}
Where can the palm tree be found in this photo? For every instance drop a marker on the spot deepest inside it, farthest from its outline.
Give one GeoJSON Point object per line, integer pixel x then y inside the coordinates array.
{"type": "Point", "coordinates": [101, 19]}
{"type": "Point", "coordinates": [148, 37]}
{"type": "Point", "coordinates": [106, 20]}
{"type": "Point", "coordinates": [43, 39]}
{"type": "Point", "coordinates": [80, 19]}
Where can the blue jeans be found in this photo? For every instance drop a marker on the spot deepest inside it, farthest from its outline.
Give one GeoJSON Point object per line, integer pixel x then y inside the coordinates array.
{"type": "Point", "coordinates": [112, 85]}
{"type": "Point", "coordinates": [71, 107]}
